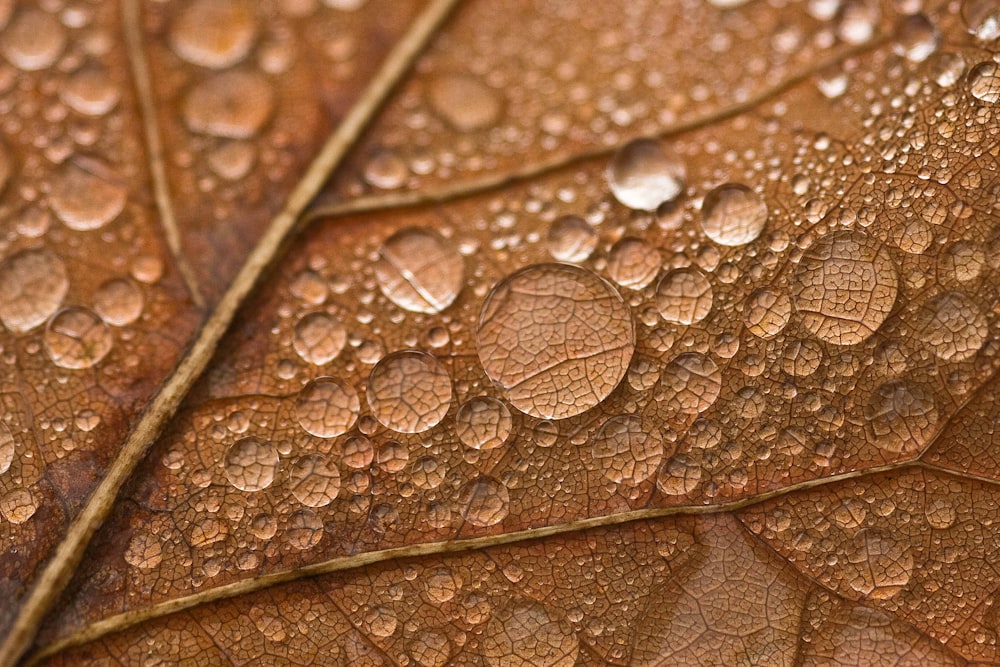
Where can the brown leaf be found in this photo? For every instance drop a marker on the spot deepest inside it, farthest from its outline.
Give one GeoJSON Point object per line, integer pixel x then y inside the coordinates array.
{"type": "Point", "coordinates": [644, 333]}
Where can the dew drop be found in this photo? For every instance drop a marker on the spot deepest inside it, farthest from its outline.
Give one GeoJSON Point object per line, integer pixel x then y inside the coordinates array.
{"type": "Point", "coordinates": [380, 621]}
{"type": "Point", "coordinates": [684, 296]}
{"type": "Point", "coordinates": [304, 530]}
{"type": "Point", "coordinates": [233, 104]}
{"type": "Point", "coordinates": [319, 338]}
{"type": "Point", "coordinates": [690, 383]}
{"type": "Point", "coordinates": [679, 476]}
{"type": "Point", "coordinates": [232, 160]}
{"type": "Point", "coordinates": [214, 33]}
{"type": "Point", "coordinates": [263, 526]}
{"type": "Point", "coordinates": [571, 239]}
{"type": "Point", "coordinates": [119, 302]}
{"type": "Point", "coordinates": [33, 284]}
{"type": "Point", "coordinates": [442, 585]}
{"type": "Point", "coordinates": [526, 634]}
{"type": "Point", "coordinates": [314, 480]}
{"type": "Point", "coordinates": [18, 506]}
{"type": "Point", "coordinates": [845, 287]}
{"type": "Point", "coordinates": [627, 452]}
{"type": "Point", "coordinates": [557, 338]}
{"type": "Point", "coordinates": [358, 452]}
{"type": "Point", "coordinates": [947, 69]}
{"type": "Point", "coordinates": [766, 312]}
{"type": "Point", "coordinates": [733, 214]}
{"type": "Point", "coordinates": [386, 169]}
{"type": "Point", "coordinates": [982, 17]}
{"type": "Point", "coordinates": [90, 91]}
{"type": "Point", "coordinates": [409, 391]}
{"type": "Point", "coordinates": [251, 464]}
{"type": "Point", "coordinates": [856, 20]}
{"type": "Point", "coordinates": [984, 82]}
{"type": "Point", "coordinates": [420, 271]}
{"type": "Point", "coordinates": [940, 514]}
{"type": "Point", "coordinates": [879, 565]}
{"type": "Point", "coordinates": [484, 502]}
{"type": "Point", "coordinates": [916, 38]}
{"type": "Point", "coordinates": [8, 448]}
{"type": "Point", "coordinates": [84, 200]}
{"type": "Point", "coordinates": [427, 473]}
{"type": "Point", "coordinates": [144, 551]}
{"type": "Point", "coordinates": [327, 407]}
{"type": "Point", "coordinates": [33, 41]}
{"type": "Point", "coordinates": [952, 326]}
{"type": "Point", "coordinates": [429, 648]}
{"type": "Point", "coordinates": [464, 102]}
{"type": "Point", "coordinates": [76, 338]}
{"type": "Point", "coordinates": [901, 417]}
{"type": "Point", "coordinates": [633, 263]}
{"type": "Point", "coordinates": [642, 175]}
{"type": "Point", "coordinates": [483, 423]}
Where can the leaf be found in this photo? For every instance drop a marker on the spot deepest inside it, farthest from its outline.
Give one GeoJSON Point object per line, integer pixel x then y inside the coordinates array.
{"type": "Point", "coordinates": [531, 389]}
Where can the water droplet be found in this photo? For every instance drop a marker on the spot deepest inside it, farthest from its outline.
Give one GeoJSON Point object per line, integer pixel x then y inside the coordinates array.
{"type": "Point", "coordinates": [940, 514]}
{"type": "Point", "coordinates": [982, 17]}
{"type": "Point", "coordinates": [87, 420]}
{"type": "Point", "coordinates": [571, 239]}
{"type": "Point", "coordinates": [420, 271]}
{"type": "Point", "coordinates": [327, 407]}
{"type": "Point", "coordinates": [733, 214]}
{"type": "Point", "coordinates": [684, 296]}
{"type": "Point", "coordinates": [144, 551]}
{"type": "Point", "coordinates": [409, 391]}
{"type": "Point", "coordinates": [263, 526]}
{"type": "Point", "coordinates": [304, 530]}
{"type": "Point", "coordinates": [952, 326]}
{"type": "Point", "coordinates": [427, 473]}
{"type": "Point", "coordinates": [643, 175]}
{"type": "Point", "coordinates": [319, 338]}
{"type": "Point", "coordinates": [85, 200]}
{"type": "Point", "coordinates": [691, 383]}
{"type": "Point", "coordinates": [961, 262]}
{"type": "Point", "coordinates": [33, 284]}
{"type": "Point", "coordinates": [484, 502]}
{"type": "Point", "coordinates": [680, 476]}
{"type": "Point", "coordinates": [442, 585]}
{"type": "Point", "coordinates": [464, 102]}
{"type": "Point", "coordinates": [233, 104]}
{"type": "Point", "coordinates": [33, 41]}
{"type": "Point", "coordinates": [8, 448]}
{"type": "Point", "coordinates": [18, 506]}
{"type": "Point", "coordinates": [314, 480]}
{"type": "Point", "coordinates": [119, 302]}
{"type": "Point", "coordinates": [916, 38]}
{"type": "Point", "coordinates": [380, 621]}
{"type": "Point", "coordinates": [626, 451]}
{"type": "Point", "coordinates": [984, 82]}
{"type": "Point", "coordinates": [232, 160]}
{"type": "Point", "coordinates": [526, 634]}
{"type": "Point", "coordinates": [901, 417]}
{"type": "Point", "coordinates": [214, 33]}
{"type": "Point", "coordinates": [429, 648]}
{"type": "Point", "coordinates": [633, 263]}
{"type": "Point", "coordinates": [879, 565]}
{"type": "Point", "coordinates": [386, 169]}
{"type": "Point", "coordinates": [251, 464]}
{"type": "Point", "coordinates": [483, 423]}
{"type": "Point", "coordinates": [392, 456]}
{"type": "Point", "coordinates": [557, 338]}
{"type": "Point", "coordinates": [766, 312]}
{"type": "Point", "coordinates": [856, 20]}
{"type": "Point", "coordinates": [358, 452]}
{"type": "Point", "coordinates": [844, 287]}
{"type": "Point", "coordinates": [76, 338]}
{"type": "Point", "coordinates": [947, 69]}
{"type": "Point", "coordinates": [90, 91]}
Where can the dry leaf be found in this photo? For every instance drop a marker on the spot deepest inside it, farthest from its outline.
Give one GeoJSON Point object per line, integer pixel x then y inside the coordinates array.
{"type": "Point", "coordinates": [634, 334]}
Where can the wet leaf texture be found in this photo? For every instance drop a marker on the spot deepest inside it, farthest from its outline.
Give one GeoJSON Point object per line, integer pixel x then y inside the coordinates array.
{"type": "Point", "coordinates": [640, 334]}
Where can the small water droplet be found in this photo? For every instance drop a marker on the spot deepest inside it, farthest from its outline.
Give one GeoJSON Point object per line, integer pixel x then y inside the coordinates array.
{"type": "Point", "coordinates": [642, 175]}
{"type": "Point", "coordinates": [144, 551]}
{"type": "Point", "coordinates": [33, 284]}
{"type": "Point", "coordinates": [690, 383]}
{"type": "Point", "coordinates": [940, 514]}
{"type": "Point", "coordinates": [916, 38]}
{"type": "Point", "coordinates": [879, 565]}
{"type": "Point", "coordinates": [90, 91]}
{"type": "Point", "coordinates": [319, 338]}
{"type": "Point", "coordinates": [84, 200]}
{"type": "Point", "coordinates": [679, 476]}
{"type": "Point", "coordinates": [483, 423]}
{"type": "Point", "coordinates": [952, 326]}
{"type": "Point", "coordinates": [314, 480]}
{"type": "Point", "coordinates": [982, 17]}
{"type": "Point", "coordinates": [901, 417]}
{"type": "Point", "coordinates": [214, 33]}
{"type": "Point", "coordinates": [119, 302]}
{"type": "Point", "coordinates": [684, 296]}
{"type": "Point", "coordinates": [409, 391]}
{"type": "Point", "coordinates": [8, 448]}
{"type": "Point", "coordinates": [18, 506]}
{"type": "Point", "coordinates": [76, 338]}
{"type": "Point", "coordinates": [326, 407]}
{"type": "Point", "coordinates": [984, 82]}
{"type": "Point", "coordinates": [234, 104]}
{"type": "Point", "coordinates": [571, 239]}
{"type": "Point", "coordinates": [633, 263]}
{"type": "Point", "coordinates": [304, 530]}
{"type": "Point", "coordinates": [484, 502]}
{"type": "Point", "coordinates": [33, 41]}
{"type": "Point", "coordinates": [526, 634]}
{"type": "Point", "coordinates": [626, 451]}
{"type": "Point", "coordinates": [420, 271]}
{"type": "Point", "coordinates": [251, 464]}
{"type": "Point", "coordinates": [766, 312]}
{"type": "Point", "coordinates": [464, 102]}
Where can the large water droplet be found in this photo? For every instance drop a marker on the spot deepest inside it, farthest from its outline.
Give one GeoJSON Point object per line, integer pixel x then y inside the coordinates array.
{"type": "Point", "coordinates": [464, 102]}
{"type": "Point", "coordinates": [952, 326]}
{"type": "Point", "coordinates": [33, 284]}
{"type": "Point", "coordinates": [319, 338]}
{"type": "Point", "coordinates": [419, 270]}
{"type": "Point", "coordinates": [643, 175]}
{"type": "Point", "coordinates": [901, 417]}
{"type": "Point", "coordinates": [982, 17]}
{"type": "Point", "coordinates": [916, 38]}
{"type": "Point", "coordinates": [684, 296]}
{"type": "Point", "coordinates": [76, 338]}
{"type": "Point", "coordinates": [484, 502]}
{"type": "Point", "coordinates": [557, 338]}
{"type": "Point", "coordinates": [844, 287]}
{"type": "Point", "coordinates": [679, 476]}
{"type": "Point", "coordinates": [314, 480]}
{"type": "Point", "coordinates": [483, 423]}
{"type": "Point", "coordinates": [34, 41]}
{"type": "Point", "coordinates": [526, 634]}
{"type": "Point", "coordinates": [304, 530]}
{"type": "Point", "coordinates": [733, 214]}
{"type": "Point", "coordinates": [879, 565]}
{"type": "Point", "coordinates": [571, 239]}
{"type": "Point", "coordinates": [84, 200]}
{"type": "Point", "coordinates": [327, 407]}
{"type": "Point", "coordinates": [119, 302]}
{"type": "Point", "coordinates": [409, 391]}
{"type": "Point", "coordinates": [626, 451]}
{"type": "Point", "coordinates": [984, 82]}
{"type": "Point", "coordinates": [90, 91]}
{"type": "Point", "coordinates": [766, 312]}
{"type": "Point", "coordinates": [214, 33]}
{"type": "Point", "coordinates": [144, 551]}
{"type": "Point", "coordinates": [233, 104]}
{"type": "Point", "coordinates": [8, 448]}
{"type": "Point", "coordinates": [633, 263]}
{"type": "Point", "coordinates": [251, 464]}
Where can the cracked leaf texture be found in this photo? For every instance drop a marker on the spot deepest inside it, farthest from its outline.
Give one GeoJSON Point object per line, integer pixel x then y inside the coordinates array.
{"type": "Point", "coordinates": [625, 333]}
